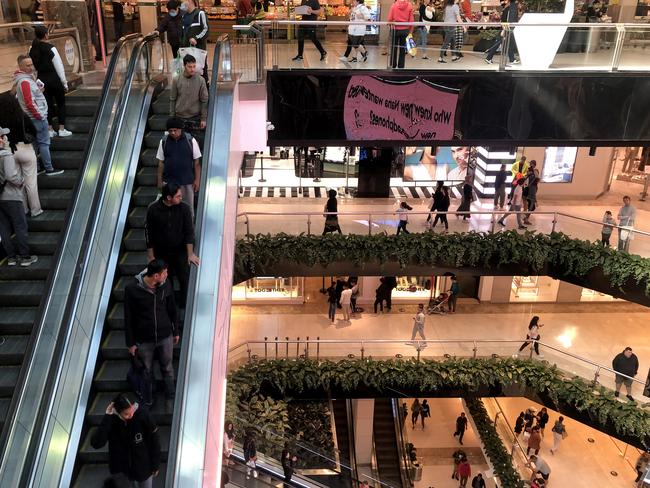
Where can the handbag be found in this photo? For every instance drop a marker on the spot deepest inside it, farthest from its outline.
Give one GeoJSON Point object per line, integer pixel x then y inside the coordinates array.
{"type": "Point", "coordinates": [199, 54]}
{"type": "Point", "coordinates": [411, 47]}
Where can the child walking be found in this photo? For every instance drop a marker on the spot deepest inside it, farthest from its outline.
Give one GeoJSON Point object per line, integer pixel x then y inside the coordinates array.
{"type": "Point", "coordinates": [606, 232]}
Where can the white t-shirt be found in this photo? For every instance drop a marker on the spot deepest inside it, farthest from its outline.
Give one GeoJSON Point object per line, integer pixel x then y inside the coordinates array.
{"type": "Point", "coordinates": [419, 319]}
{"type": "Point", "coordinates": [346, 295]}
{"type": "Point", "coordinates": [403, 216]}
{"type": "Point", "coordinates": [196, 151]}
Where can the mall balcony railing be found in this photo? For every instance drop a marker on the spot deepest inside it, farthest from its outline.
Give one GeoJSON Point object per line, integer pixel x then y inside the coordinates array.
{"type": "Point", "coordinates": [597, 47]}
{"type": "Point", "coordinates": [439, 350]}
{"type": "Point", "coordinates": [370, 223]}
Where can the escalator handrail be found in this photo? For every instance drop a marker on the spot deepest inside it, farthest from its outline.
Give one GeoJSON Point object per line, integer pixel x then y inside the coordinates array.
{"type": "Point", "coordinates": [176, 464]}
{"type": "Point", "coordinates": [59, 259]}
{"type": "Point", "coordinates": [43, 436]}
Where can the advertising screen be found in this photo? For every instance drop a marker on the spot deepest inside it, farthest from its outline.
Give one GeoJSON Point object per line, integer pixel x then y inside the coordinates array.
{"type": "Point", "coordinates": [447, 163]}
{"type": "Point", "coordinates": [558, 164]}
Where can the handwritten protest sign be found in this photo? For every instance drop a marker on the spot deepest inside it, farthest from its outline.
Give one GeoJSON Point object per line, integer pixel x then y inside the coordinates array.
{"type": "Point", "coordinates": [376, 109]}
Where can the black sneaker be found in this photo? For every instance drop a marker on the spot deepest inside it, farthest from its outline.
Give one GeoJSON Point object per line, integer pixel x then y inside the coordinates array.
{"type": "Point", "coordinates": [53, 172]}
{"type": "Point", "coordinates": [365, 56]}
{"type": "Point", "coordinates": [297, 58]}
{"type": "Point", "coordinates": [323, 55]}
{"type": "Point", "coordinates": [629, 397]}
{"type": "Point", "coordinates": [616, 394]}
{"type": "Point", "coordinates": [488, 61]}
{"type": "Point", "coordinates": [28, 260]}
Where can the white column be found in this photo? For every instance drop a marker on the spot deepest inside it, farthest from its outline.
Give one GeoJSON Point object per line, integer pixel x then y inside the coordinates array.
{"type": "Point", "coordinates": [363, 412]}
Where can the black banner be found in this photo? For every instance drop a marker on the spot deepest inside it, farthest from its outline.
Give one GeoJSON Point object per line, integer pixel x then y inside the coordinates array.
{"type": "Point", "coordinates": [512, 108]}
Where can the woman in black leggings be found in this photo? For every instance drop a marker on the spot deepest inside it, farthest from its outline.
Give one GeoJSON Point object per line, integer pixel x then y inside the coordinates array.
{"type": "Point", "coordinates": [533, 335]}
{"type": "Point", "coordinates": [442, 206]}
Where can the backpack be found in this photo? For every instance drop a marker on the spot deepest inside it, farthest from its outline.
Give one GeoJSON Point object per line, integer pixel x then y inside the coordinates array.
{"type": "Point", "coordinates": [188, 138]}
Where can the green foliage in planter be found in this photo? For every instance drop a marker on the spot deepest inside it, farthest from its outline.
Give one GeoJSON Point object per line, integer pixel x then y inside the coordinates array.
{"type": "Point", "coordinates": [310, 427]}
{"type": "Point", "coordinates": [494, 448]}
{"type": "Point", "coordinates": [544, 6]}
{"type": "Point", "coordinates": [489, 34]}
{"type": "Point", "coordinates": [294, 377]}
{"type": "Point", "coordinates": [568, 256]}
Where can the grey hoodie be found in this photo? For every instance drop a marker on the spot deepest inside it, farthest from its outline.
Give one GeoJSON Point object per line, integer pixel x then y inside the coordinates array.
{"type": "Point", "coordinates": [11, 172]}
{"type": "Point", "coordinates": [30, 96]}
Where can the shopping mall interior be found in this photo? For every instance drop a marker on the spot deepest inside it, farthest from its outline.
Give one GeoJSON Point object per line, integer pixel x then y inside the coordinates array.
{"type": "Point", "coordinates": [324, 243]}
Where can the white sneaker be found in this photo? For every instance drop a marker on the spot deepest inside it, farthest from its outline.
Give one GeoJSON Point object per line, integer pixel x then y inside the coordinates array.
{"type": "Point", "coordinates": [64, 133]}
{"type": "Point", "coordinates": [343, 58]}
{"type": "Point", "coordinates": [37, 213]}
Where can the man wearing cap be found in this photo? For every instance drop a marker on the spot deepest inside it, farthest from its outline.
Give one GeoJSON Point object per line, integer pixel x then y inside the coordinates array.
{"type": "Point", "coordinates": [12, 211]}
{"type": "Point", "coordinates": [179, 160]}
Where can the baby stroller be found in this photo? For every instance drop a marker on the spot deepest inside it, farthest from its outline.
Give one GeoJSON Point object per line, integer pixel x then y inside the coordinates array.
{"type": "Point", "coordinates": [437, 305]}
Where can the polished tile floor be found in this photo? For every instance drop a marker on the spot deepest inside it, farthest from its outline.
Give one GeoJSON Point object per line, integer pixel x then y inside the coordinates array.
{"type": "Point", "coordinates": [595, 335]}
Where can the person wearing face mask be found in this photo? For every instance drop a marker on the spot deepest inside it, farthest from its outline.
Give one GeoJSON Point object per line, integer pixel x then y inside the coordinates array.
{"type": "Point", "coordinates": [133, 443]}
{"type": "Point", "coordinates": [195, 29]}
{"type": "Point", "coordinates": [171, 24]}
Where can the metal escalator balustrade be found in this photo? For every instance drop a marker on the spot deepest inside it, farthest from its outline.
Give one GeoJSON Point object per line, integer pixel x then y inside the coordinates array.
{"type": "Point", "coordinates": [52, 449]}
{"type": "Point", "coordinates": [32, 308]}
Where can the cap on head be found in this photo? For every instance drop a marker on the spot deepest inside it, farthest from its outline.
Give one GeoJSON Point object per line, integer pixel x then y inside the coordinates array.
{"type": "Point", "coordinates": [4, 132]}
{"type": "Point", "coordinates": [175, 123]}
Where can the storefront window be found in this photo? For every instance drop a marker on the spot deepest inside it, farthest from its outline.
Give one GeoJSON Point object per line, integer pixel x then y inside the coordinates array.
{"type": "Point", "coordinates": [413, 287]}
{"type": "Point", "coordinates": [269, 289]}
{"type": "Point", "coordinates": [558, 164]}
{"type": "Point", "coordinates": [534, 289]}
{"type": "Point", "coordinates": [595, 296]}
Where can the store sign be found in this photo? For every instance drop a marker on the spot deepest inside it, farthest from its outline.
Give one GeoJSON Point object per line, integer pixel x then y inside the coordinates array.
{"type": "Point", "coordinates": [69, 52]}
{"type": "Point", "coordinates": [376, 109]}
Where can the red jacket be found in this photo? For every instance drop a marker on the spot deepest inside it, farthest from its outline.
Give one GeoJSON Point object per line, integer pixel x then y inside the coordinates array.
{"type": "Point", "coordinates": [401, 11]}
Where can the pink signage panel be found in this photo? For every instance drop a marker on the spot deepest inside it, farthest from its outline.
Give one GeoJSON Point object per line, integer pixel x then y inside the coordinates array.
{"type": "Point", "coordinates": [377, 110]}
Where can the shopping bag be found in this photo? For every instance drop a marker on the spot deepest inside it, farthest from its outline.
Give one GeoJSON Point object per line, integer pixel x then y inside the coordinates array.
{"type": "Point", "coordinates": [199, 54]}
{"type": "Point", "coordinates": [410, 45]}
{"type": "Point", "coordinates": [177, 66]}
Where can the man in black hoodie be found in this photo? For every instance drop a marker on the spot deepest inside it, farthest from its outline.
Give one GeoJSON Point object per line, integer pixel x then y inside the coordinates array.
{"type": "Point", "coordinates": [169, 231]}
{"type": "Point", "coordinates": [133, 443]}
{"type": "Point", "coordinates": [151, 322]}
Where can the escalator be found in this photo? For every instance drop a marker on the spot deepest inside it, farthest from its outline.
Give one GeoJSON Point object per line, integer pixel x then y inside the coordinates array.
{"type": "Point", "coordinates": [22, 288]}
{"type": "Point", "coordinates": [113, 359]}
{"type": "Point", "coordinates": [343, 433]}
{"type": "Point", "coordinates": [388, 461]}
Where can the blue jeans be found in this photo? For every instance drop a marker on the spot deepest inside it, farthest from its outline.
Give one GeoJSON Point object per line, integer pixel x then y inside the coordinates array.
{"type": "Point", "coordinates": [12, 217]}
{"type": "Point", "coordinates": [421, 38]}
{"type": "Point", "coordinates": [42, 143]}
{"type": "Point", "coordinates": [331, 312]}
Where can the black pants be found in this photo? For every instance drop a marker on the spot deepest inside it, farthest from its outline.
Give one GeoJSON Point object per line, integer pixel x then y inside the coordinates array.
{"type": "Point", "coordinates": [178, 268]}
{"type": "Point", "coordinates": [288, 473]}
{"type": "Point", "coordinates": [442, 218]}
{"type": "Point", "coordinates": [535, 346]}
{"type": "Point", "coordinates": [495, 47]}
{"type": "Point", "coordinates": [398, 49]}
{"type": "Point", "coordinates": [380, 302]}
{"type": "Point", "coordinates": [309, 32]}
{"type": "Point", "coordinates": [348, 48]}
{"type": "Point", "coordinates": [402, 227]}
{"type": "Point", "coordinates": [55, 93]}
{"type": "Point", "coordinates": [604, 239]}
{"type": "Point", "coordinates": [449, 41]}
{"type": "Point", "coordinates": [451, 303]}
{"type": "Point", "coordinates": [119, 29]}
{"type": "Point", "coordinates": [12, 217]}
{"type": "Point", "coordinates": [460, 433]}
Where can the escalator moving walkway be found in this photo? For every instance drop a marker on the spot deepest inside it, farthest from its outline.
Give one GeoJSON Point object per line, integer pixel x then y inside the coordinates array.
{"type": "Point", "coordinates": [388, 463]}
{"type": "Point", "coordinates": [22, 288]}
{"type": "Point", "coordinates": [91, 468]}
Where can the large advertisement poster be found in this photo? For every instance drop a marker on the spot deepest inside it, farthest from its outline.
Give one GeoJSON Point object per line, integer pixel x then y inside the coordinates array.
{"type": "Point", "coordinates": [376, 109]}
{"type": "Point", "coordinates": [447, 164]}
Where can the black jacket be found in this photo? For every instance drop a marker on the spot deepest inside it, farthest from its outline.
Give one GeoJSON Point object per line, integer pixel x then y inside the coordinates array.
{"type": "Point", "coordinates": [250, 449]}
{"type": "Point", "coordinates": [169, 227]}
{"type": "Point", "coordinates": [627, 366]}
{"type": "Point", "coordinates": [42, 56]}
{"type": "Point", "coordinates": [500, 179]}
{"type": "Point", "coordinates": [149, 315]}
{"type": "Point", "coordinates": [173, 26]}
{"type": "Point", "coordinates": [478, 482]}
{"type": "Point", "coordinates": [133, 446]}
{"type": "Point", "coordinates": [195, 25]}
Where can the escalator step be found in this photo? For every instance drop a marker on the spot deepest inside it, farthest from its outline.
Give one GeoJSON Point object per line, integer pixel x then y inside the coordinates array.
{"type": "Point", "coordinates": [77, 106]}
{"type": "Point", "coordinates": [55, 199]}
{"type": "Point", "coordinates": [112, 376]}
{"type": "Point", "coordinates": [80, 124]}
{"type": "Point", "coordinates": [152, 139]}
{"type": "Point", "coordinates": [132, 263]}
{"type": "Point", "coordinates": [147, 176]}
{"type": "Point", "coordinates": [67, 159]}
{"type": "Point", "coordinates": [21, 293]}
{"type": "Point", "coordinates": [67, 180]}
{"type": "Point", "coordinates": [37, 271]}
{"type": "Point", "coordinates": [116, 317]}
{"type": "Point", "coordinates": [4, 409]}
{"type": "Point", "coordinates": [161, 106]}
{"type": "Point", "coordinates": [17, 320]}
{"type": "Point", "coordinates": [8, 379]}
{"type": "Point", "coordinates": [94, 475]}
{"type": "Point", "coordinates": [158, 122]}
{"type": "Point", "coordinates": [135, 241]}
{"type": "Point", "coordinates": [43, 243]}
{"type": "Point", "coordinates": [75, 142]}
{"type": "Point", "coordinates": [138, 217]}
{"type": "Point", "coordinates": [113, 346]}
{"type": "Point", "coordinates": [50, 221]}
{"type": "Point", "coordinates": [148, 157]}
{"type": "Point", "coordinates": [12, 349]}
{"type": "Point", "coordinates": [145, 195]}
